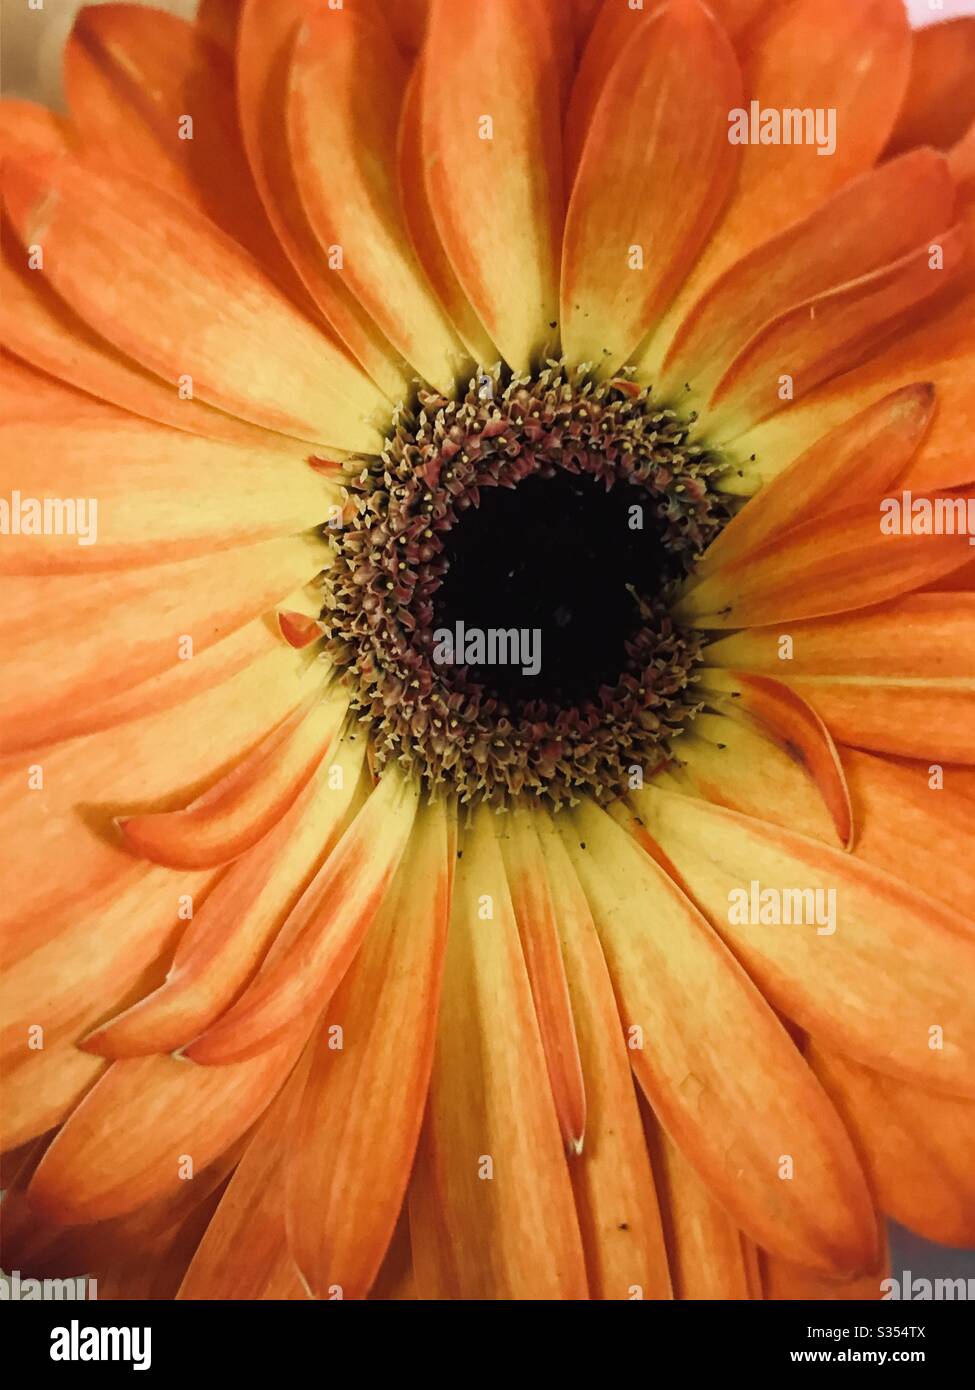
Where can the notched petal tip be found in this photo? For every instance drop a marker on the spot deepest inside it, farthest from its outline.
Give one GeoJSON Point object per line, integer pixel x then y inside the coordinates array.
{"type": "Point", "coordinates": [297, 629]}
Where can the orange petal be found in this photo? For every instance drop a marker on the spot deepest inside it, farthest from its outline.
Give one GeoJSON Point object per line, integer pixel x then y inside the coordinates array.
{"type": "Point", "coordinates": [735, 764]}
{"type": "Point", "coordinates": [796, 727]}
{"type": "Point", "coordinates": [129, 1140]}
{"type": "Point", "coordinates": [897, 678]}
{"type": "Point", "coordinates": [298, 629]}
{"type": "Point", "coordinates": [908, 722]}
{"type": "Point", "coordinates": [351, 1148]}
{"type": "Point", "coordinates": [228, 937]}
{"type": "Point", "coordinates": [707, 1250]}
{"type": "Point", "coordinates": [41, 1090]}
{"type": "Point", "coordinates": [319, 940]}
{"type": "Point", "coordinates": [59, 1002]}
{"type": "Point", "coordinates": [717, 1066]}
{"type": "Point", "coordinates": [219, 19]}
{"type": "Point", "coordinates": [266, 36]}
{"type": "Point", "coordinates": [921, 806]}
{"type": "Point", "coordinates": [940, 99]}
{"type": "Point", "coordinates": [408, 21]}
{"type": "Point", "coordinates": [961, 158]}
{"type": "Point", "coordinates": [187, 302]}
{"type": "Point", "coordinates": [65, 985]}
{"type": "Point", "coordinates": [585, 12]}
{"type": "Point", "coordinates": [343, 150]}
{"type": "Point", "coordinates": [140, 1256]}
{"type": "Point", "coordinates": [878, 218]}
{"type": "Point", "coordinates": [234, 814]}
{"type": "Point", "coordinates": [916, 1147]}
{"type": "Point", "coordinates": [739, 15]}
{"type": "Point", "coordinates": [612, 1179]}
{"type": "Point", "coordinates": [423, 228]}
{"type": "Point", "coordinates": [155, 613]}
{"type": "Point", "coordinates": [27, 394]}
{"type": "Point", "coordinates": [924, 637]}
{"type": "Point", "coordinates": [609, 34]}
{"type": "Point", "coordinates": [181, 681]}
{"type": "Point", "coordinates": [160, 757]}
{"type": "Point", "coordinates": [791, 64]}
{"type": "Point", "coordinates": [563, 39]}
{"type": "Point", "coordinates": [17, 1165]}
{"type": "Point", "coordinates": [395, 1282]}
{"type": "Point", "coordinates": [124, 492]}
{"type": "Point", "coordinates": [39, 326]}
{"type": "Point", "coordinates": [840, 973]}
{"type": "Point", "coordinates": [788, 1283]}
{"type": "Point", "coordinates": [131, 75]}
{"type": "Point", "coordinates": [961, 580]}
{"type": "Point", "coordinates": [603, 32]}
{"type": "Point", "coordinates": [830, 564]}
{"type": "Point", "coordinates": [244, 1253]}
{"type": "Point", "coordinates": [962, 779]}
{"type": "Point", "coordinates": [103, 937]}
{"type": "Point", "coordinates": [491, 1208]}
{"type": "Point", "coordinates": [940, 349]}
{"type": "Point", "coordinates": [27, 128]}
{"type": "Point", "coordinates": [489, 122]}
{"type": "Point", "coordinates": [831, 332]}
{"type": "Point", "coordinates": [534, 908]}
{"type": "Point", "coordinates": [649, 131]}
{"type": "Point", "coordinates": [855, 463]}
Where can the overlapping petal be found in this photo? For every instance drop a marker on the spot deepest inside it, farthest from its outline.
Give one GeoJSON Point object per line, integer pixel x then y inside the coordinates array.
{"type": "Point", "coordinates": [489, 121]}
{"type": "Point", "coordinates": [187, 302]}
{"type": "Point", "coordinates": [716, 1082]}
{"type": "Point", "coordinates": [653, 175]}
{"type": "Point", "coordinates": [491, 1142]}
{"type": "Point", "coordinates": [805, 968]}
{"type": "Point", "coordinates": [395, 1049]}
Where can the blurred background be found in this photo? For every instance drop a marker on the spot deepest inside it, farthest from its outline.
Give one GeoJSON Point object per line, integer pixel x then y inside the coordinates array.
{"type": "Point", "coordinates": [32, 41]}
{"type": "Point", "coordinates": [32, 38]}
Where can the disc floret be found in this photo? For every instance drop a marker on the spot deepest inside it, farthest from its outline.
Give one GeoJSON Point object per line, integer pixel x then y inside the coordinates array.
{"type": "Point", "coordinates": [407, 509]}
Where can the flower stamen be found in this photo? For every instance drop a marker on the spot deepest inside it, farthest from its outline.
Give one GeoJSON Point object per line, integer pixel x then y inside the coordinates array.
{"type": "Point", "coordinates": [558, 506]}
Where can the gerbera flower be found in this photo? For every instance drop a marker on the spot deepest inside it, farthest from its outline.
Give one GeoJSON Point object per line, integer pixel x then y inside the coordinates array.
{"type": "Point", "coordinates": [341, 961]}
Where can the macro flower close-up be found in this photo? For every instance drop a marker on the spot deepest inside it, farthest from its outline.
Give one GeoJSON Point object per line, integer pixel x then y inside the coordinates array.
{"type": "Point", "coordinates": [488, 714]}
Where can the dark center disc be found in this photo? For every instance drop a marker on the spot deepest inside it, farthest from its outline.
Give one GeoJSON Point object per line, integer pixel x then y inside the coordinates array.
{"type": "Point", "coordinates": [560, 559]}
{"type": "Point", "coordinates": [500, 595]}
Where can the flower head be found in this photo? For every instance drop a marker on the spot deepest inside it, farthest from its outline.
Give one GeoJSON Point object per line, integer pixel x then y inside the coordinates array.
{"type": "Point", "coordinates": [489, 643]}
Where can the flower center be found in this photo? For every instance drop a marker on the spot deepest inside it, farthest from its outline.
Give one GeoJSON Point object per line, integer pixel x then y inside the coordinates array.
{"type": "Point", "coordinates": [500, 593]}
